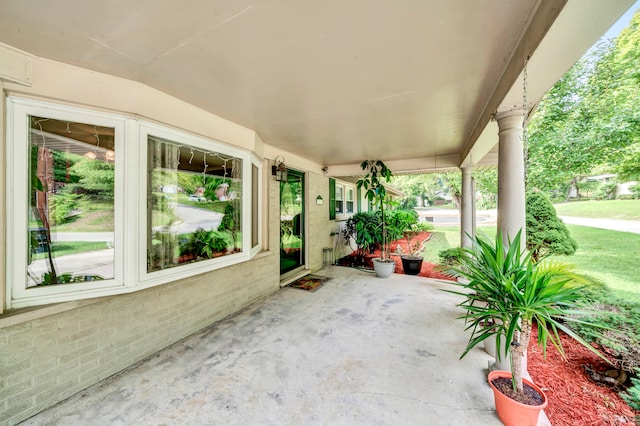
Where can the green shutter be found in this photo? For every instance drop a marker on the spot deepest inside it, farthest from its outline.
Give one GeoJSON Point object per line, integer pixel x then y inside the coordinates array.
{"type": "Point", "coordinates": [332, 198]}
{"type": "Point", "coordinates": [359, 196]}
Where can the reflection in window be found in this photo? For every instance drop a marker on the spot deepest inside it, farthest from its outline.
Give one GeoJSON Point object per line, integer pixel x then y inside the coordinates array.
{"type": "Point", "coordinates": [339, 199]}
{"type": "Point", "coordinates": [194, 204]}
{"type": "Point", "coordinates": [71, 202]}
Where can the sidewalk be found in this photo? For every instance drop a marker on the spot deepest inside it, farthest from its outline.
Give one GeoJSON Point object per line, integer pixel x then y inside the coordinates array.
{"type": "Point", "coordinates": [632, 226]}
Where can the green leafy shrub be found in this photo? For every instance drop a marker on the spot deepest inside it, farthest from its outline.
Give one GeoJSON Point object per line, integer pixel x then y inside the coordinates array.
{"type": "Point", "coordinates": [635, 191]}
{"type": "Point", "coordinates": [206, 243]}
{"type": "Point", "coordinates": [424, 226]}
{"type": "Point", "coordinates": [620, 319]}
{"type": "Point", "coordinates": [605, 191]}
{"type": "Point", "coordinates": [365, 230]}
{"type": "Point", "coordinates": [61, 206]}
{"type": "Point", "coordinates": [546, 233]}
{"type": "Point", "coordinates": [451, 256]}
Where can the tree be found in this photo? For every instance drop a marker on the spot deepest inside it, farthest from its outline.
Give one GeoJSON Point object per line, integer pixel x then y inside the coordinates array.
{"type": "Point", "coordinates": [487, 187]}
{"type": "Point", "coordinates": [546, 233]}
{"type": "Point", "coordinates": [416, 186]}
{"type": "Point", "coordinates": [589, 116]}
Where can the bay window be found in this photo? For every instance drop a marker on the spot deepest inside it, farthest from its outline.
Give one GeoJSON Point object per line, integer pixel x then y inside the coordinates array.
{"type": "Point", "coordinates": [191, 203]}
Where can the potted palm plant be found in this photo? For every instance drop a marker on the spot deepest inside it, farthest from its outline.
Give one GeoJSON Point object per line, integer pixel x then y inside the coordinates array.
{"type": "Point", "coordinates": [516, 293]}
{"type": "Point", "coordinates": [372, 182]}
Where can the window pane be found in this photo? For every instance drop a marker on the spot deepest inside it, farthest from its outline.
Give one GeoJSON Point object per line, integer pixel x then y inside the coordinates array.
{"type": "Point", "coordinates": [339, 199]}
{"type": "Point", "coordinates": [349, 200]}
{"type": "Point", "coordinates": [71, 202]}
{"type": "Point", "coordinates": [194, 200]}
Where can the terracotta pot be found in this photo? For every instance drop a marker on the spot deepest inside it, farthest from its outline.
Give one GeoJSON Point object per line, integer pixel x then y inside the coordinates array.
{"type": "Point", "coordinates": [514, 413]}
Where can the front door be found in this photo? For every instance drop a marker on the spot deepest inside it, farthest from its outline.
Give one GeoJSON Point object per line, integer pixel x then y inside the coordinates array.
{"type": "Point", "coordinates": [292, 222]}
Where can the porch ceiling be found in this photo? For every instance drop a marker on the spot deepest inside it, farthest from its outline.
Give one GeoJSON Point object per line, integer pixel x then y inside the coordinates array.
{"type": "Point", "coordinates": [335, 81]}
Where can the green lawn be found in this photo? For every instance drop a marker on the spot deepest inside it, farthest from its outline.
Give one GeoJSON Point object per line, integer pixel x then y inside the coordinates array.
{"type": "Point", "coordinates": [64, 248]}
{"type": "Point", "coordinates": [609, 256]}
{"type": "Point", "coordinates": [610, 209]}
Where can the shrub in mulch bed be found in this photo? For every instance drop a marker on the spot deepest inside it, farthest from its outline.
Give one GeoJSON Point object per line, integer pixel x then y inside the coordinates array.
{"type": "Point", "coordinates": [574, 399]}
{"type": "Point", "coordinates": [429, 269]}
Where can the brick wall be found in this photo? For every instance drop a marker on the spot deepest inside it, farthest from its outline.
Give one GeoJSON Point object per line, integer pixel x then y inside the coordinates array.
{"type": "Point", "coordinates": [320, 227]}
{"type": "Point", "coordinates": [48, 359]}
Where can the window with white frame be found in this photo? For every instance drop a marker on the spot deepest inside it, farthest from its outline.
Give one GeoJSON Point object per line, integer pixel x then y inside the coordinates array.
{"type": "Point", "coordinates": [350, 197]}
{"type": "Point", "coordinates": [339, 199]}
{"type": "Point", "coordinates": [343, 203]}
{"type": "Point", "coordinates": [194, 203]}
{"type": "Point", "coordinates": [194, 208]}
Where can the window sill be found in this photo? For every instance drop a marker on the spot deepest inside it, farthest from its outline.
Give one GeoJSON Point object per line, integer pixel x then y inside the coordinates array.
{"type": "Point", "coordinates": [18, 316]}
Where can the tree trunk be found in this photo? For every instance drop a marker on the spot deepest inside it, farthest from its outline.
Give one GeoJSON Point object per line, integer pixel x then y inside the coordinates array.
{"type": "Point", "coordinates": [519, 354]}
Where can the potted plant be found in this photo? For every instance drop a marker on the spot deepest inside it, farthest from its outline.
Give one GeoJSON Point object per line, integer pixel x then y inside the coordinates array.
{"type": "Point", "coordinates": [516, 293]}
{"type": "Point", "coordinates": [407, 222]}
{"type": "Point", "coordinates": [372, 183]}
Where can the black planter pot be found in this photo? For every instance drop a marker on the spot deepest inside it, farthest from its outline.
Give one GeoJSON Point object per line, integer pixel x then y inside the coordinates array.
{"type": "Point", "coordinates": [412, 264]}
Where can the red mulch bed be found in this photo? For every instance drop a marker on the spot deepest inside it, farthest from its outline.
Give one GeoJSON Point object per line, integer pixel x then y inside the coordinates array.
{"type": "Point", "coordinates": [428, 268]}
{"type": "Point", "coordinates": [574, 399]}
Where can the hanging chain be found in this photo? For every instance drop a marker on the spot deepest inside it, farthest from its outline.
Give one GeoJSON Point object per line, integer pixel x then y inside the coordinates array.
{"type": "Point", "coordinates": [525, 116]}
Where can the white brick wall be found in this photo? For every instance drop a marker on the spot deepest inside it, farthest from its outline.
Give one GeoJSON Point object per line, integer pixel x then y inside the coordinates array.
{"type": "Point", "coordinates": [320, 227]}
{"type": "Point", "coordinates": [45, 360]}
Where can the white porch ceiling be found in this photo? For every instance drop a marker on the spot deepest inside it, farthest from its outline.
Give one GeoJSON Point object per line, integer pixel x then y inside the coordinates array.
{"type": "Point", "coordinates": [334, 81]}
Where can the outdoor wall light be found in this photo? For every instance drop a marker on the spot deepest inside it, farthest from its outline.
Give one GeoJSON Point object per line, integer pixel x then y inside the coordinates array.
{"type": "Point", "coordinates": [319, 200]}
{"type": "Point", "coordinates": [279, 170]}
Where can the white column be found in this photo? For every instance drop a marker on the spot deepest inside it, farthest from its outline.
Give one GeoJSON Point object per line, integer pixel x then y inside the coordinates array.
{"type": "Point", "coordinates": [466, 208]}
{"type": "Point", "coordinates": [511, 197]}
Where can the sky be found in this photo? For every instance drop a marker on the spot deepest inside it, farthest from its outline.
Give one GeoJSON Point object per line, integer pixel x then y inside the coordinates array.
{"type": "Point", "coordinates": [623, 22]}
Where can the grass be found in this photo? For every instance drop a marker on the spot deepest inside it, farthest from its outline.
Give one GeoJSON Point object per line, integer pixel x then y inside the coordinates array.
{"type": "Point", "coordinates": [65, 248]}
{"type": "Point", "coordinates": [610, 257]}
{"type": "Point", "coordinates": [610, 209]}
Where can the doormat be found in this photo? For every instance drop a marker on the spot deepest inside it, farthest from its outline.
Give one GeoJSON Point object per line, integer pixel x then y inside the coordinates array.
{"type": "Point", "coordinates": [309, 282]}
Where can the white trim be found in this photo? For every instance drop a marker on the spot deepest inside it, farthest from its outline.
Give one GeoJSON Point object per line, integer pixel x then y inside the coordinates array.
{"type": "Point", "coordinates": [346, 186]}
{"type": "Point", "coordinates": [130, 257]}
{"type": "Point", "coordinates": [17, 214]}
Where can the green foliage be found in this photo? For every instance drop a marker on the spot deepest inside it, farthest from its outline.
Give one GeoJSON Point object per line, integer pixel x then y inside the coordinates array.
{"type": "Point", "coordinates": [206, 243]}
{"type": "Point", "coordinates": [61, 205]}
{"type": "Point", "coordinates": [451, 257]}
{"type": "Point", "coordinates": [632, 395]}
{"type": "Point", "coordinates": [66, 278]}
{"type": "Point", "coordinates": [619, 319]}
{"type": "Point", "coordinates": [635, 191]}
{"type": "Point", "coordinates": [589, 116]}
{"type": "Point", "coordinates": [374, 190]}
{"type": "Point", "coordinates": [96, 178]}
{"type": "Point", "coordinates": [629, 167]}
{"type": "Point", "coordinates": [365, 230]}
{"type": "Point", "coordinates": [487, 188]}
{"type": "Point", "coordinates": [231, 222]}
{"type": "Point", "coordinates": [605, 191]}
{"type": "Point", "coordinates": [546, 233]}
{"type": "Point", "coordinates": [516, 293]}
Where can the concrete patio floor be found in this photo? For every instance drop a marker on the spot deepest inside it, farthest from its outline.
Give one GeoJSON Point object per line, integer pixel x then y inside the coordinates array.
{"type": "Point", "coordinates": [358, 351]}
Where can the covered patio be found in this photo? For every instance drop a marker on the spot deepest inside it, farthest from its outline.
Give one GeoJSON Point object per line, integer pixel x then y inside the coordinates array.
{"type": "Point", "coordinates": [358, 351]}
{"type": "Point", "coordinates": [314, 87]}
